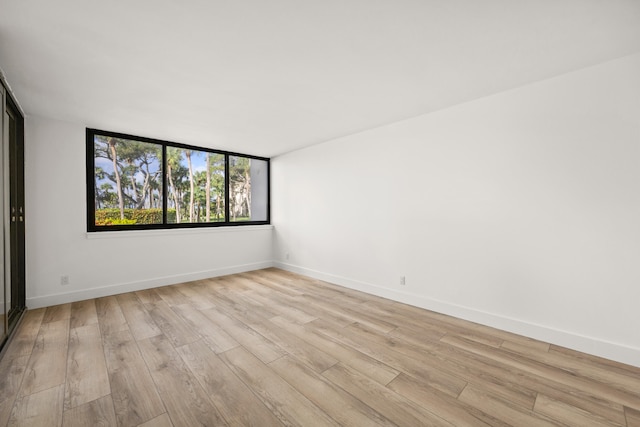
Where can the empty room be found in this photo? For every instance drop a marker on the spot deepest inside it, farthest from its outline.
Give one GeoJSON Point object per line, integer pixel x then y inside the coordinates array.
{"type": "Point", "coordinates": [342, 213]}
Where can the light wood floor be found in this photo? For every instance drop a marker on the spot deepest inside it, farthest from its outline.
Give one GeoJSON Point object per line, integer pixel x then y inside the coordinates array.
{"type": "Point", "coordinates": [271, 348]}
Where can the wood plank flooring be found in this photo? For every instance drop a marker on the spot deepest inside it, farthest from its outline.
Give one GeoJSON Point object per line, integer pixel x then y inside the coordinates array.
{"type": "Point", "coordinates": [272, 348]}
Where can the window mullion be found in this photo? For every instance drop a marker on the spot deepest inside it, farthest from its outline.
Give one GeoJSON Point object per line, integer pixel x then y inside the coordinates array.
{"type": "Point", "coordinates": [227, 217]}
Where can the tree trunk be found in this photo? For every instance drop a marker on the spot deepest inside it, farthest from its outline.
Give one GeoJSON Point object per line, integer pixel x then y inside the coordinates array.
{"type": "Point", "coordinates": [218, 205]}
{"type": "Point", "coordinates": [149, 185]}
{"type": "Point", "coordinates": [247, 190]}
{"type": "Point", "coordinates": [95, 192]}
{"type": "Point", "coordinates": [191, 186]}
{"type": "Point", "coordinates": [112, 148]}
{"type": "Point", "coordinates": [134, 185]}
{"type": "Point", "coordinates": [145, 189]}
{"type": "Point", "coordinates": [176, 200]}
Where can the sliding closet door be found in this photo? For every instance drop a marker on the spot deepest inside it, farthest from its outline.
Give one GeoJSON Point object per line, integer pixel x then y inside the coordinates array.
{"type": "Point", "coordinates": [16, 297]}
{"type": "Point", "coordinates": [12, 247]}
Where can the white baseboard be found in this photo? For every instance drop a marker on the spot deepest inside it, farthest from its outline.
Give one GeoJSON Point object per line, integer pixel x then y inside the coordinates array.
{"type": "Point", "coordinates": [597, 347]}
{"type": "Point", "coordinates": [84, 294]}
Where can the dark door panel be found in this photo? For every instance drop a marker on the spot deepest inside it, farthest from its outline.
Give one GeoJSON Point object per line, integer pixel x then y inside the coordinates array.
{"type": "Point", "coordinates": [16, 156]}
{"type": "Point", "coordinates": [12, 228]}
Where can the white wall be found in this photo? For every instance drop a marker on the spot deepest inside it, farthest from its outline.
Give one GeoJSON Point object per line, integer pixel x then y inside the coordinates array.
{"type": "Point", "coordinates": [519, 210]}
{"type": "Point", "coordinates": [109, 263]}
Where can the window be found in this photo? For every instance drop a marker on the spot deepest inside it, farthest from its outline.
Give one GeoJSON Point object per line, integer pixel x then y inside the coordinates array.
{"type": "Point", "coordinates": [248, 188]}
{"type": "Point", "coordinates": [142, 183]}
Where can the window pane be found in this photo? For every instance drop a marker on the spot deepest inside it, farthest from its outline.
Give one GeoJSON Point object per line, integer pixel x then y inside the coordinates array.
{"type": "Point", "coordinates": [196, 186]}
{"type": "Point", "coordinates": [127, 181]}
{"type": "Point", "coordinates": [248, 189]}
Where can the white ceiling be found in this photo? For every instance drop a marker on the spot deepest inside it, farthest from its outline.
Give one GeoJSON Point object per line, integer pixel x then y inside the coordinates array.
{"type": "Point", "coordinates": [266, 77]}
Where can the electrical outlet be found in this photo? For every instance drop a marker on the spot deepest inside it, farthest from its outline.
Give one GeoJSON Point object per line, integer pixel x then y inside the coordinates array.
{"type": "Point", "coordinates": [286, 256]}
{"type": "Point", "coordinates": [403, 280]}
{"type": "Point", "coordinates": [64, 280]}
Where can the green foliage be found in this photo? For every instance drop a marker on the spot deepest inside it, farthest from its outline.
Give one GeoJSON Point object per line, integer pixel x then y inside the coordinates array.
{"type": "Point", "coordinates": [118, 221]}
{"type": "Point", "coordinates": [111, 216]}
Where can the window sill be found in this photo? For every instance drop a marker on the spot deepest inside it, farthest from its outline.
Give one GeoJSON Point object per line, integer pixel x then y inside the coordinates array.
{"type": "Point", "coordinates": [174, 232]}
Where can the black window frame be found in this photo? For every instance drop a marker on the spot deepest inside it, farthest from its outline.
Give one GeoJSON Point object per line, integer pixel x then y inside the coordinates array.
{"type": "Point", "coordinates": [90, 180]}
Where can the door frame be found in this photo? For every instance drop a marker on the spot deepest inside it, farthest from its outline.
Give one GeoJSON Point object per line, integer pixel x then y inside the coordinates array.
{"type": "Point", "coordinates": [13, 218]}
{"type": "Point", "coordinates": [16, 196]}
